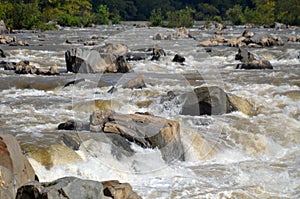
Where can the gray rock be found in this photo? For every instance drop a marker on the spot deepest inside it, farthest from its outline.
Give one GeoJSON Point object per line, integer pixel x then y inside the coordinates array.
{"type": "Point", "coordinates": [206, 101]}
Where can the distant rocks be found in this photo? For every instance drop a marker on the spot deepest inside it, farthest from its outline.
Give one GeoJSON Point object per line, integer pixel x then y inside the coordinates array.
{"type": "Point", "coordinates": [247, 39]}
{"type": "Point", "coordinates": [294, 39]}
{"type": "Point", "coordinates": [250, 62]}
{"type": "Point", "coordinates": [24, 67]}
{"type": "Point", "coordinates": [181, 33]}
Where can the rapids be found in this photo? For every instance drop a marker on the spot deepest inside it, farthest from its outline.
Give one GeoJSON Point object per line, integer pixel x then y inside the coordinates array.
{"type": "Point", "coordinates": [227, 156]}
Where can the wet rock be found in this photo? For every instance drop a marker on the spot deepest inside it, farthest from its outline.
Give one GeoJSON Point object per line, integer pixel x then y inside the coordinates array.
{"type": "Point", "coordinates": [294, 39]}
{"type": "Point", "coordinates": [115, 189]}
{"type": "Point", "coordinates": [178, 58]}
{"type": "Point", "coordinates": [206, 101]}
{"type": "Point", "coordinates": [213, 26]}
{"type": "Point", "coordinates": [266, 40]}
{"type": "Point", "coordinates": [146, 130]}
{"type": "Point", "coordinates": [89, 43]}
{"type": "Point", "coordinates": [3, 29]}
{"type": "Point", "coordinates": [280, 26]}
{"type": "Point", "coordinates": [159, 36]}
{"type": "Point", "coordinates": [136, 83]}
{"type": "Point", "coordinates": [244, 105]}
{"type": "Point", "coordinates": [75, 188]}
{"type": "Point", "coordinates": [248, 34]}
{"type": "Point", "coordinates": [244, 56]}
{"type": "Point", "coordinates": [72, 141]}
{"type": "Point", "coordinates": [86, 61]}
{"type": "Point", "coordinates": [15, 169]}
{"type": "Point", "coordinates": [73, 125]}
{"type": "Point", "coordinates": [255, 64]}
{"type": "Point", "coordinates": [7, 39]}
{"type": "Point", "coordinates": [67, 187]}
{"type": "Point", "coordinates": [24, 67]}
{"type": "Point", "coordinates": [2, 54]}
{"type": "Point", "coordinates": [157, 53]}
{"type": "Point", "coordinates": [50, 155]}
{"type": "Point", "coordinates": [53, 70]}
{"type": "Point", "coordinates": [116, 49]}
{"type": "Point", "coordinates": [137, 56]}
{"type": "Point", "coordinates": [8, 65]}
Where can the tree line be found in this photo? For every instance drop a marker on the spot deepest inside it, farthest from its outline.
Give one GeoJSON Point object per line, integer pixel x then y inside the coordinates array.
{"type": "Point", "coordinates": [34, 14]}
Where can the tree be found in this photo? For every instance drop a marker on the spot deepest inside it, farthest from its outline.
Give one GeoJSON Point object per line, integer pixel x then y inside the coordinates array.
{"type": "Point", "coordinates": [102, 15]}
{"type": "Point", "coordinates": [181, 18]}
{"type": "Point", "coordinates": [235, 15]}
{"type": "Point", "coordinates": [156, 18]}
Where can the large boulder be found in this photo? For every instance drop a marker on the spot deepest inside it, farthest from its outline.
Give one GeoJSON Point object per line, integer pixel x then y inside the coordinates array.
{"type": "Point", "coordinates": [116, 49]}
{"type": "Point", "coordinates": [91, 61]}
{"type": "Point", "coordinates": [15, 169]}
{"type": "Point", "coordinates": [244, 56]}
{"type": "Point", "coordinates": [75, 188]}
{"type": "Point", "coordinates": [206, 101]}
{"type": "Point", "coordinates": [146, 130]}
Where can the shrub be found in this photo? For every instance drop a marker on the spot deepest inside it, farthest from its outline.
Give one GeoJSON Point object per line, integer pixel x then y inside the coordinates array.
{"type": "Point", "coordinates": [181, 18]}
{"type": "Point", "coordinates": [156, 18]}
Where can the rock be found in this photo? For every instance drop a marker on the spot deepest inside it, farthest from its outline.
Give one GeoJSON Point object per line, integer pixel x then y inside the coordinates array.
{"type": "Point", "coordinates": [255, 64]}
{"type": "Point", "coordinates": [236, 42]}
{"type": "Point", "coordinates": [116, 49]}
{"type": "Point", "coordinates": [15, 169]}
{"type": "Point", "coordinates": [9, 65]}
{"type": "Point", "coordinates": [67, 187]}
{"type": "Point", "coordinates": [86, 61]}
{"type": "Point", "coordinates": [181, 33]}
{"type": "Point", "coordinates": [136, 83]}
{"type": "Point", "coordinates": [294, 39]}
{"type": "Point", "coordinates": [73, 125]}
{"type": "Point", "coordinates": [3, 29]}
{"type": "Point", "coordinates": [2, 54]}
{"type": "Point", "coordinates": [71, 140]}
{"type": "Point", "coordinates": [208, 43]}
{"type": "Point", "coordinates": [213, 26]}
{"type": "Point", "coordinates": [157, 53]}
{"type": "Point", "coordinates": [178, 58]}
{"type": "Point", "coordinates": [117, 190]}
{"type": "Point", "coordinates": [50, 155]}
{"type": "Point", "coordinates": [266, 41]}
{"type": "Point", "coordinates": [206, 101]}
{"type": "Point", "coordinates": [146, 130]}
{"type": "Point", "coordinates": [244, 105]}
{"type": "Point", "coordinates": [159, 36]}
{"type": "Point", "coordinates": [53, 70]}
{"type": "Point", "coordinates": [247, 34]}
{"type": "Point", "coordinates": [89, 43]}
{"type": "Point", "coordinates": [23, 67]}
{"type": "Point", "coordinates": [244, 56]}
{"type": "Point", "coordinates": [75, 188]}
{"type": "Point", "coordinates": [281, 26]}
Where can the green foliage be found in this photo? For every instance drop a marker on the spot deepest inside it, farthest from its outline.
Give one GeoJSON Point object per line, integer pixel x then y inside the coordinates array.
{"type": "Point", "coordinates": [206, 11]}
{"type": "Point", "coordinates": [102, 15]}
{"type": "Point", "coordinates": [115, 18]}
{"type": "Point", "coordinates": [181, 18]}
{"type": "Point", "coordinates": [156, 18]}
{"type": "Point", "coordinates": [235, 15]}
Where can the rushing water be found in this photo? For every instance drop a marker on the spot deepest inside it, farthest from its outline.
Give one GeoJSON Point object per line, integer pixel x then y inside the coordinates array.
{"type": "Point", "coordinates": [227, 156]}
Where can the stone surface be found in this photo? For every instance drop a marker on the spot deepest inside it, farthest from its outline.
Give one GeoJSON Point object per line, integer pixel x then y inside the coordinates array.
{"type": "Point", "coordinates": [15, 169]}
{"type": "Point", "coordinates": [206, 101]}
{"type": "Point", "coordinates": [145, 130]}
{"type": "Point", "coordinates": [115, 189]}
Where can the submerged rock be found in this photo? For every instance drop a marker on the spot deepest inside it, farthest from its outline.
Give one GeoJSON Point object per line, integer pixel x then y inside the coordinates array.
{"type": "Point", "coordinates": [178, 58]}
{"type": "Point", "coordinates": [51, 154]}
{"type": "Point", "coordinates": [15, 169]}
{"type": "Point", "coordinates": [206, 101]}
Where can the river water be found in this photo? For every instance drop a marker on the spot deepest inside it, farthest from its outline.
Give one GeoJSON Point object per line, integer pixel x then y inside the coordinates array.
{"type": "Point", "coordinates": [234, 155]}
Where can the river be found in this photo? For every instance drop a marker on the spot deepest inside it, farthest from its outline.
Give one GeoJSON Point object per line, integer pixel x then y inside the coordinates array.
{"type": "Point", "coordinates": [233, 155]}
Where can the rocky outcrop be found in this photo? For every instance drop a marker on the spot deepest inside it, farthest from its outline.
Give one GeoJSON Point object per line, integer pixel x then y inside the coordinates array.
{"type": "Point", "coordinates": [146, 130]}
{"type": "Point", "coordinates": [181, 33]}
{"type": "Point", "coordinates": [24, 67]}
{"type": "Point", "coordinates": [250, 62]}
{"type": "Point", "coordinates": [246, 106]}
{"type": "Point", "coordinates": [15, 170]}
{"type": "Point", "coordinates": [109, 58]}
{"type": "Point", "coordinates": [247, 39]}
{"type": "Point", "coordinates": [206, 101]}
{"type": "Point", "coordinates": [213, 26]}
{"type": "Point", "coordinates": [294, 39]}
{"type": "Point", "coordinates": [75, 188]}
{"type": "Point", "coordinates": [7, 39]}
{"type": "Point", "coordinates": [157, 53]}
{"type": "Point", "coordinates": [135, 83]}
